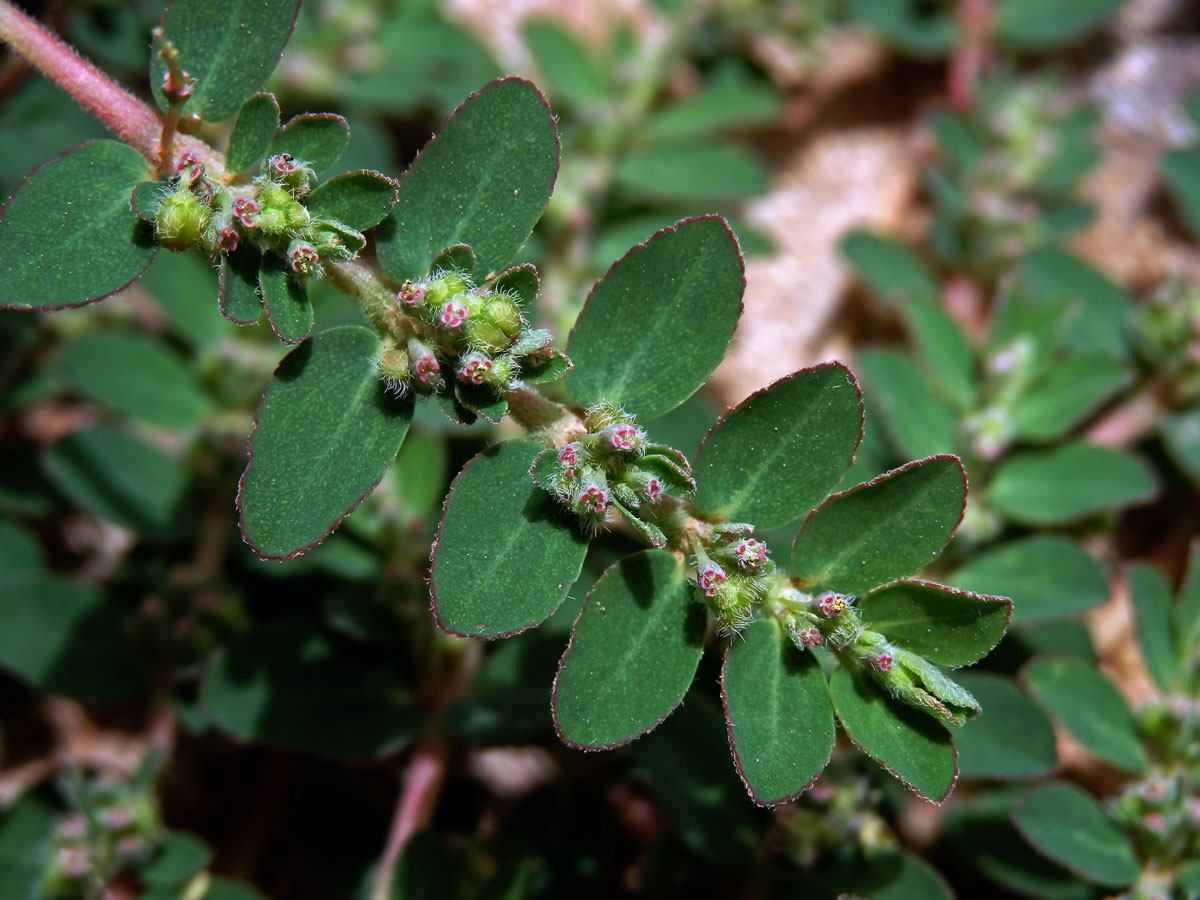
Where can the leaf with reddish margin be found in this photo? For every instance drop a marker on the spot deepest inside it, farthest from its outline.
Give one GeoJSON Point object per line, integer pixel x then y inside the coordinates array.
{"type": "Point", "coordinates": [457, 257]}
{"type": "Point", "coordinates": [882, 529]}
{"type": "Point", "coordinates": [483, 180]}
{"type": "Point", "coordinates": [67, 234]}
{"type": "Point", "coordinates": [506, 553]}
{"type": "Point", "coordinates": [255, 127]}
{"type": "Point", "coordinates": [908, 743]}
{"type": "Point", "coordinates": [480, 400]}
{"type": "Point", "coordinates": [780, 452]}
{"type": "Point", "coordinates": [657, 324]}
{"type": "Point", "coordinates": [945, 625]}
{"type": "Point", "coordinates": [545, 366]}
{"type": "Point", "coordinates": [520, 281]}
{"type": "Point", "coordinates": [633, 653]}
{"type": "Point", "coordinates": [239, 297]}
{"type": "Point", "coordinates": [779, 713]}
{"type": "Point", "coordinates": [316, 139]}
{"type": "Point", "coordinates": [288, 308]}
{"type": "Point", "coordinates": [359, 199]}
{"type": "Point", "coordinates": [326, 431]}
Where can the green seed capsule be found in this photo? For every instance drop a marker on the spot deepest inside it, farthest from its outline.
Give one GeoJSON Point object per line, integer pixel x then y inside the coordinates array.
{"type": "Point", "coordinates": [181, 220]}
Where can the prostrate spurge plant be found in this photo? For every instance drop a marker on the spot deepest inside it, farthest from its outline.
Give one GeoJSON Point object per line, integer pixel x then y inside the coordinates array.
{"type": "Point", "coordinates": [834, 629]}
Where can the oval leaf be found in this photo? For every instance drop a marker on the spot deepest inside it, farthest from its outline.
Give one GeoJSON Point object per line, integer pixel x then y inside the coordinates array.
{"type": "Point", "coordinates": [238, 291]}
{"type": "Point", "coordinates": [288, 684]}
{"type": "Point", "coordinates": [1089, 707]}
{"type": "Point", "coordinates": [506, 552]}
{"type": "Point", "coordinates": [256, 124]}
{"type": "Point", "coordinates": [229, 47]}
{"type": "Point", "coordinates": [779, 713]}
{"type": "Point", "coordinates": [883, 529]}
{"type": "Point", "coordinates": [1045, 576]}
{"type": "Point", "coordinates": [67, 234]}
{"type": "Point", "coordinates": [1151, 598]}
{"type": "Point", "coordinates": [1067, 825]}
{"type": "Point", "coordinates": [359, 199]}
{"type": "Point", "coordinates": [916, 420]}
{"type": "Point", "coordinates": [118, 477]}
{"type": "Point", "coordinates": [697, 170]}
{"type": "Point", "coordinates": [326, 431]}
{"type": "Point", "coordinates": [657, 324]}
{"type": "Point", "coordinates": [783, 449]}
{"type": "Point", "coordinates": [890, 269]}
{"type": "Point", "coordinates": [1050, 487]}
{"type": "Point", "coordinates": [135, 375]}
{"type": "Point", "coordinates": [288, 308]}
{"type": "Point", "coordinates": [505, 139]}
{"type": "Point", "coordinates": [633, 653]}
{"type": "Point", "coordinates": [906, 742]}
{"type": "Point", "coordinates": [317, 139]}
{"type": "Point", "coordinates": [1065, 394]}
{"type": "Point", "coordinates": [986, 745]}
{"type": "Point", "coordinates": [944, 625]}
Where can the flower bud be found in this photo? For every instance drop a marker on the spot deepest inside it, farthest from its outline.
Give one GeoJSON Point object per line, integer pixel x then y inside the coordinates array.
{"type": "Point", "coordinates": [181, 220]}
{"type": "Point", "coordinates": [601, 415]}
{"type": "Point", "coordinates": [424, 366]}
{"type": "Point", "coordinates": [495, 322]}
{"type": "Point", "coordinates": [445, 286]}
{"type": "Point", "coordinates": [393, 367]}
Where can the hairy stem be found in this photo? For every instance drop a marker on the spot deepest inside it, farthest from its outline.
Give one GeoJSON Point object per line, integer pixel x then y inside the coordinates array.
{"type": "Point", "coordinates": [131, 120]}
{"type": "Point", "coordinates": [414, 806]}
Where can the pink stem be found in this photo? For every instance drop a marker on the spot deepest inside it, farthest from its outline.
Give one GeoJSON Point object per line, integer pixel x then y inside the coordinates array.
{"type": "Point", "coordinates": [422, 780]}
{"type": "Point", "coordinates": [127, 117]}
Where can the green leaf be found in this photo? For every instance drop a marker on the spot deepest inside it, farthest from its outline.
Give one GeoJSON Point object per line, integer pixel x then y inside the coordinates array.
{"type": "Point", "coordinates": [986, 745]}
{"type": "Point", "coordinates": [1089, 707]}
{"type": "Point", "coordinates": [67, 234]}
{"type": "Point", "coordinates": [316, 139]}
{"type": "Point", "coordinates": [238, 286]}
{"type": "Point", "coordinates": [910, 25]}
{"type": "Point", "coordinates": [681, 290]}
{"type": "Point", "coordinates": [728, 101]}
{"type": "Point", "coordinates": [178, 857]}
{"type": "Point", "coordinates": [781, 450]}
{"type": "Point", "coordinates": [289, 684]}
{"type": "Point", "coordinates": [421, 467]}
{"type": "Point", "coordinates": [65, 637]}
{"type": "Point", "coordinates": [286, 299]}
{"type": "Point", "coordinates": [146, 198]}
{"type": "Point", "coordinates": [883, 529]}
{"type": "Point", "coordinates": [326, 431]}
{"type": "Point", "coordinates": [1181, 436]}
{"type": "Point", "coordinates": [359, 199]}
{"type": "Point", "coordinates": [885, 874]}
{"type": "Point", "coordinates": [118, 477]}
{"type": "Point", "coordinates": [182, 286]}
{"type": "Point", "coordinates": [135, 375]}
{"type": "Point", "coordinates": [696, 170]}
{"type": "Point", "coordinates": [1041, 24]}
{"type": "Point", "coordinates": [549, 365]}
{"type": "Point", "coordinates": [229, 47]}
{"type": "Point", "coordinates": [521, 282]}
{"type": "Point", "coordinates": [948, 358]}
{"type": "Point", "coordinates": [1100, 309]}
{"type": "Point", "coordinates": [256, 124]}
{"type": "Point", "coordinates": [890, 270]}
{"type": "Point", "coordinates": [946, 626]}
{"type": "Point", "coordinates": [1187, 620]}
{"type": "Point", "coordinates": [779, 712]}
{"type": "Point", "coordinates": [565, 64]}
{"type": "Point", "coordinates": [633, 653]}
{"type": "Point", "coordinates": [1181, 172]}
{"type": "Point", "coordinates": [506, 553]}
{"type": "Point", "coordinates": [1049, 487]}
{"type": "Point", "coordinates": [506, 138]}
{"type": "Point", "coordinates": [24, 829]}
{"type": "Point", "coordinates": [20, 551]}
{"type": "Point", "coordinates": [916, 420]}
{"type": "Point", "coordinates": [647, 531]}
{"type": "Point", "coordinates": [1046, 577]}
{"type": "Point", "coordinates": [1187, 877]}
{"type": "Point", "coordinates": [1151, 598]}
{"type": "Point", "coordinates": [228, 889]}
{"type": "Point", "coordinates": [908, 743]}
{"type": "Point", "coordinates": [1066, 824]}
{"type": "Point", "coordinates": [1065, 394]}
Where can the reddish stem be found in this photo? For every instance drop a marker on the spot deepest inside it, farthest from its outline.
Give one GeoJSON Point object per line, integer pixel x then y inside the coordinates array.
{"type": "Point", "coordinates": [422, 781]}
{"type": "Point", "coordinates": [975, 20]}
{"type": "Point", "coordinates": [125, 115]}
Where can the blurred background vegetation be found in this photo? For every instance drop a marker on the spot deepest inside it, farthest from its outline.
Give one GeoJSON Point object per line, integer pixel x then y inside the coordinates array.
{"type": "Point", "coordinates": [989, 208]}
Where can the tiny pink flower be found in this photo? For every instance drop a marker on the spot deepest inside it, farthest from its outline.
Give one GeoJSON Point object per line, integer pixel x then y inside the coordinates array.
{"type": "Point", "coordinates": [594, 498]}
{"type": "Point", "coordinates": [282, 164]}
{"type": "Point", "coordinates": [74, 862]}
{"type": "Point", "coordinates": [654, 488]}
{"type": "Point", "coordinates": [303, 258]}
{"type": "Point", "coordinates": [710, 576]}
{"type": "Point", "coordinates": [410, 294]}
{"type": "Point", "coordinates": [452, 316]}
{"type": "Point", "coordinates": [427, 369]}
{"type": "Point", "coordinates": [882, 662]}
{"type": "Point", "coordinates": [809, 637]}
{"type": "Point", "coordinates": [130, 845]}
{"type": "Point", "coordinates": [190, 167]}
{"type": "Point", "coordinates": [750, 553]}
{"type": "Point", "coordinates": [227, 239]}
{"type": "Point", "coordinates": [243, 210]}
{"type": "Point", "coordinates": [475, 370]}
{"type": "Point", "coordinates": [118, 817]}
{"type": "Point", "coordinates": [623, 437]}
{"type": "Point", "coordinates": [831, 604]}
{"type": "Point", "coordinates": [567, 456]}
{"type": "Point", "coordinates": [173, 90]}
{"type": "Point", "coordinates": [73, 827]}
{"type": "Point", "coordinates": [1155, 822]}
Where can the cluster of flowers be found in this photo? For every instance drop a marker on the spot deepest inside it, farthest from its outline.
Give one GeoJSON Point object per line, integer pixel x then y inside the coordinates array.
{"type": "Point", "coordinates": [477, 334]}
{"type": "Point", "coordinates": [121, 828]}
{"type": "Point", "coordinates": [612, 465]}
{"type": "Point", "coordinates": [732, 568]}
{"type": "Point", "coordinates": [269, 213]}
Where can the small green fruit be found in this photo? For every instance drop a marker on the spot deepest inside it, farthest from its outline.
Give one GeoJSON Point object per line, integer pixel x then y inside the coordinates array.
{"type": "Point", "coordinates": [181, 220]}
